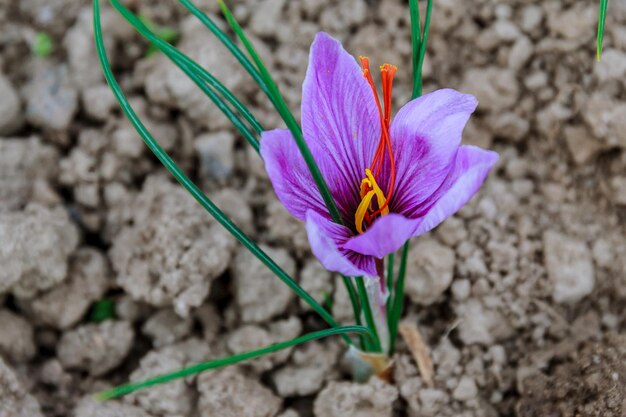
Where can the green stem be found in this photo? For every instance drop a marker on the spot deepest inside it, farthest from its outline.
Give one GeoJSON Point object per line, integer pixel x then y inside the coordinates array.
{"type": "Point", "coordinates": [398, 300]}
{"type": "Point", "coordinates": [390, 260]}
{"type": "Point", "coordinates": [422, 50]}
{"type": "Point", "coordinates": [604, 5]}
{"type": "Point", "coordinates": [219, 363]}
{"type": "Point", "coordinates": [199, 75]}
{"type": "Point", "coordinates": [416, 43]}
{"type": "Point", "coordinates": [228, 43]}
{"type": "Point", "coordinates": [283, 110]}
{"type": "Point", "coordinates": [200, 197]}
{"type": "Point", "coordinates": [369, 317]}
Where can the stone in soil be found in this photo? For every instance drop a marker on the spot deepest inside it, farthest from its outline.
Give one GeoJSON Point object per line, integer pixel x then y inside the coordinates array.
{"type": "Point", "coordinates": [231, 393]}
{"type": "Point", "coordinates": [350, 399]}
{"type": "Point", "coordinates": [35, 245]}
{"type": "Point", "coordinates": [429, 271]}
{"type": "Point", "coordinates": [569, 265]}
{"type": "Point", "coordinates": [15, 401]}
{"type": "Point", "coordinates": [10, 107]}
{"type": "Point", "coordinates": [24, 163]}
{"type": "Point", "coordinates": [259, 294]}
{"type": "Point", "coordinates": [64, 305]}
{"type": "Point", "coordinates": [173, 249]}
{"type": "Point", "coordinates": [89, 407]}
{"type": "Point", "coordinates": [96, 348]}
{"type": "Point", "coordinates": [16, 337]}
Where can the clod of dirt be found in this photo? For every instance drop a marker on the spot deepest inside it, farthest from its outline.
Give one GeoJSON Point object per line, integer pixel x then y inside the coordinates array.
{"type": "Point", "coordinates": [310, 366]}
{"type": "Point", "coordinates": [51, 100]}
{"type": "Point", "coordinates": [166, 327]}
{"type": "Point", "coordinates": [252, 337]}
{"type": "Point", "coordinates": [176, 397]}
{"type": "Point", "coordinates": [96, 348]}
{"type": "Point", "coordinates": [429, 271]}
{"type": "Point", "coordinates": [166, 85]}
{"type": "Point", "coordinates": [350, 399]}
{"type": "Point", "coordinates": [258, 293]}
{"type": "Point", "coordinates": [173, 249]}
{"type": "Point", "coordinates": [285, 229]}
{"type": "Point", "coordinates": [16, 402]}
{"type": "Point", "coordinates": [481, 324]}
{"type": "Point", "coordinates": [495, 88]}
{"type": "Point", "coordinates": [215, 151]}
{"type": "Point", "coordinates": [10, 107]}
{"type": "Point", "coordinates": [34, 248]}
{"type": "Point", "coordinates": [88, 407]}
{"type": "Point", "coordinates": [64, 305]}
{"type": "Point", "coordinates": [16, 337]}
{"type": "Point", "coordinates": [315, 280]}
{"type": "Point", "coordinates": [23, 163]}
{"type": "Point", "coordinates": [230, 393]}
{"type": "Point", "coordinates": [570, 267]}
{"type": "Point", "coordinates": [591, 383]}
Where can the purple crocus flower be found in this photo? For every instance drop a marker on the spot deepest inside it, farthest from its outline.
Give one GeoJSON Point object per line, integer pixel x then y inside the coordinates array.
{"type": "Point", "coordinates": [391, 180]}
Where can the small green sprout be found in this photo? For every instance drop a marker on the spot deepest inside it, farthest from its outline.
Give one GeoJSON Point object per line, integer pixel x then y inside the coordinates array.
{"type": "Point", "coordinates": [166, 33]}
{"type": "Point", "coordinates": [103, 310]}
{"type": "Point", "coordinates": [43, 45]}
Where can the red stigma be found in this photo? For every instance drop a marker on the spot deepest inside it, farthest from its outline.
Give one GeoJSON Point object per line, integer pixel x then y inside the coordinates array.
{"type": "Point", "coordinates": [387, 72]}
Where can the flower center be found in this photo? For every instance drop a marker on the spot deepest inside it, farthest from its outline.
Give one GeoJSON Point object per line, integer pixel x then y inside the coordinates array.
{"type": "Point", "coordinates": [367, 212]}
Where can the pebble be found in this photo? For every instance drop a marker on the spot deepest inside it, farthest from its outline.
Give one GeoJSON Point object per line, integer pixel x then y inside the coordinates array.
{"type": "Point", "coordinates": [569, 266]}
{"type": "Point", "coordinates": [10, 107]}
{"type": "Point", "coordinates": [465, 390]}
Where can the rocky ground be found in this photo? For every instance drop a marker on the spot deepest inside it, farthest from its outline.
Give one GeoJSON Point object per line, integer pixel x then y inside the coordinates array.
{"type": "Point", "coordinates": [519, 297]}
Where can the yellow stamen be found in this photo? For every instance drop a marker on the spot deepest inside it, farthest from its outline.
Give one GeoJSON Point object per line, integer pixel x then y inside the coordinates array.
{"type": "Point", "coordinates": [369, 190]}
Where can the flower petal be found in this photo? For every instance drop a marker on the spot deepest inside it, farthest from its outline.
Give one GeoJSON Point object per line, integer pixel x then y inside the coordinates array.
{"type": "Point", "coordinates": [327, 238]}
{"type": "Point", "coordinates": [470, 169]}
{"type": "Point", "coordinates": [289, 174]}
{"type": "Point", "coordinates": [385, 236]}
{"type": "Point", "coordinates": [340, 121]}
{"type": "Point", "coordinates": [426, 134]}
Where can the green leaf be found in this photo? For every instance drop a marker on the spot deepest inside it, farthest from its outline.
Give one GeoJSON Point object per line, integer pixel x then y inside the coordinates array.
{"type": "Point", "coordinates": [398, 300]}
{"type": "Point", "coordinates": [103, 310]}
{"type": "Point", "coordinates": [231, 360]}
{"type": "Point", "coordinates": [165, 33]}
{"type": "Point", "coordinates": [200, 76]}
{"type": "Point", "coordinates": [604, 5]}
{"type": "Point", "coordinates": [196, 193]}
{"type": "Point", "coordinates": [43, 45]}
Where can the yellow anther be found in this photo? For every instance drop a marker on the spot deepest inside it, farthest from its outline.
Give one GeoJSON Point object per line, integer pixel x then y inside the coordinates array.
{"type": "Point", "coordinates": [369, 190]}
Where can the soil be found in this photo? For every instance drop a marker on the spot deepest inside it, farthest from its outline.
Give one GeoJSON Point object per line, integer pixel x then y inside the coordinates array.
{"type": "Point", "coordinates": [519, 297]}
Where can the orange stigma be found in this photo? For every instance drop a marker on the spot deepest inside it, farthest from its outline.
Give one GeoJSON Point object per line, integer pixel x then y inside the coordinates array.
{"type": "Point", "coordinates": [368, 192]}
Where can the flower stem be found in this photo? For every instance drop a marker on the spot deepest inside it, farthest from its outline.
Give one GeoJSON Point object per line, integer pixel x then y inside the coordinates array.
{"type": "Point", "coordinates": [604, 5]}
{"type": "Point", "coordinates": [219, 363]}
{"type": "Point", "coordinates": [398, 300]}
{"type": "Point", "coordinates": [369, 317]}
{"type": "Point", "coordinates": [193, 189]}
{"type": "Point", "coordinates": [416, 44]}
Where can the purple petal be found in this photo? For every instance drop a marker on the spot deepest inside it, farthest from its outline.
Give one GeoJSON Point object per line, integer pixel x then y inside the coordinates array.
{"type": "Point", "coordinates": [386, 235]}
{"type": "Point", "coordinates": [426, 134]}
{"type": "Point", "coordinates": [340, 121]}
{"type": "Point", "coordinates": [470, 169]}
{"type": "Point", "coordinates": [289, 174]}
{"type": "Point", "coordinates": [327, 238]}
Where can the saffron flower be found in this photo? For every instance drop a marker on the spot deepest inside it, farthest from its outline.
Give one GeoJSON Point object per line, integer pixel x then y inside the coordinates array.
{"type": "Point", "coordinates": [391, 179]}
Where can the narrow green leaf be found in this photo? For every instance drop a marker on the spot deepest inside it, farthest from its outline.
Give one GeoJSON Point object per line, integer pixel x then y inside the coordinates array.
{"type": "Point", "coordinates": [416, 40]}
{"type": "Point", "coordinates": [604, 5]}
{"type": "Point", "coordinates": [422, 51]}
{"type": "Point", "coordinates": [231, 360]}
{"type": "Point", "coordinates": [200, 197]}
{"type": "Point", "coordinates": [227, 42]}
{"type": "Point", "coordinates": [374, 344]}
{"type": "Point", "coordinates": [390, 281]}
{"type": "Point", "coordinates": [283, 110]}
{"type": "Point", "coordinates": [103, 310]}
{"type": "Point", "coordinates": [199, 75]}
{"type": "Point", "coordinates": [398, 300]}
{"type": "Point", "coordinates": [43, 45]}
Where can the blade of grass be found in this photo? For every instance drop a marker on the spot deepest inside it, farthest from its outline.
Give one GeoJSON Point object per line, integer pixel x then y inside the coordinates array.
{"type": "Point", "coordinates": [283, 110]}
{"type": "Point", "coordinates": [374, 345]}
{"type": "Point", "coordinates": [398, 300]}
{"type": "Point", "coordinates": [228, 43]}
{"type": "Point", "coordinates": [292, 125]}
{"type": "Point", "coordinates": [231, 360]}
{"type": "Point", "coordinates": [182, 60]}
{"type": "Point", "coordinates": [200, 197]}
{"type": "Point", "coordinates": [422, 51]}
{"type": "Point", "coordinates": [604, 5]}
{"type": "Point", "coordinates": [416, 40]}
